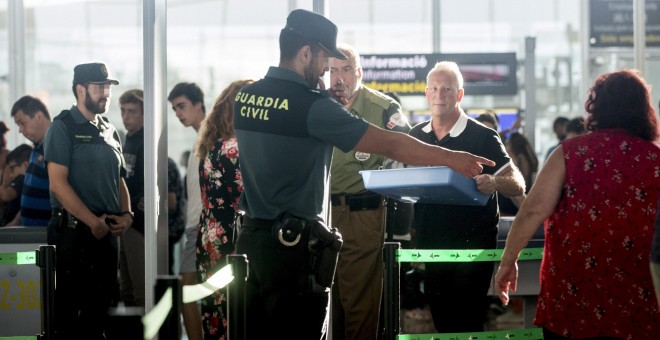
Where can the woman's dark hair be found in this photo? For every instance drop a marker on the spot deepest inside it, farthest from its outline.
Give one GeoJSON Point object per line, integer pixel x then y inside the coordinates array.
{"type": "Point", "coordinates": [220, 123]}
{"type": "Point", "coordinates": [3, 131]}
{"type": "Point", "coordinates": [520, 146]}
{"type": "Point", "coordinates": [576, 126]}
{"type": "Point", "coordinates": [621, 100]}
{"type": "Point", "coordinates": [20, 154]}
{"type": "Point", "coordinates": [489, 117]}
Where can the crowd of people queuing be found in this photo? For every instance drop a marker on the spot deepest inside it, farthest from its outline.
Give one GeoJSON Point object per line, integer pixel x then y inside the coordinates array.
{"type": "Point", "coordinates": [597, 196]}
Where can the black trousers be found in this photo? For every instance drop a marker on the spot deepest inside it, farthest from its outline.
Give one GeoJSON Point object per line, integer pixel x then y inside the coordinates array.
{"type": "Point", "coordinates": [457, 294]}
{"type": "Point", "coordinates": [86, 280]}
{"type": "Point", "coordinates": [281, 304]}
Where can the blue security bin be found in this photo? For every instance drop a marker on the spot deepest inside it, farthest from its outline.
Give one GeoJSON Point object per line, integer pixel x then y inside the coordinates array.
{"type": "Point", "coordinates": [436, 185]}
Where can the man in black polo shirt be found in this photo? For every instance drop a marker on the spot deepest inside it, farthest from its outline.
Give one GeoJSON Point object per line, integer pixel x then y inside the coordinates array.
{"type": "Point", "coordinates": [91, 206]}
{"type": "Point", "coordinates": [457, 291]}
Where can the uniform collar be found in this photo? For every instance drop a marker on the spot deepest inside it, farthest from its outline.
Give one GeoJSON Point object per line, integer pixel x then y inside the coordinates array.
{"type": "Point", "coordinates": [78, 116]}
{"type": "Point", "coordinates": [456, 130]}
{"type": "Point", "coordinates": [286, 74]}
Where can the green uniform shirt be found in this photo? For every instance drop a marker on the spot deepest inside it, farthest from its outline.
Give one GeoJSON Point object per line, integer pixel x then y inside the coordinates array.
{"type": "Point", "coordinates": [380, 110]}
{"type": "Point", "coordinates": [93, 155]}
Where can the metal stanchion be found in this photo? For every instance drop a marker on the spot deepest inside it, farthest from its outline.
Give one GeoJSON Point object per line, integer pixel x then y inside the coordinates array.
{"type": "Point", "coordinates": [391, 288]}
{"type": "Point", "coordinates": [236, 327]}
{"type": "Point", "coordinates": [171, 328]}
{"type": "Point", "coordinates": [46, 262]}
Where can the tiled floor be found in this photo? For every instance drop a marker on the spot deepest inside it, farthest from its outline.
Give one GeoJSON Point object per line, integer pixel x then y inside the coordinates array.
{"type": "Point", "coordinates": [418, 321]}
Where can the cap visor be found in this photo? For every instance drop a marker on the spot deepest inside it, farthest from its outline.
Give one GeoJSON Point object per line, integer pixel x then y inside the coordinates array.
{"type": "Point", "coordinates": [335, 52]}
{"type": "Point", "coordinates": [111, 81]}
{"type": "Point", "coordinates": [339, 55]}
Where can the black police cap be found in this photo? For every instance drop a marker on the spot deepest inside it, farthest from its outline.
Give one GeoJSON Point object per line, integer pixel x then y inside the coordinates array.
{"type": "Point", "coordinates": [315, 27]}
{"type": "Point", "coordinates": [95, 73]}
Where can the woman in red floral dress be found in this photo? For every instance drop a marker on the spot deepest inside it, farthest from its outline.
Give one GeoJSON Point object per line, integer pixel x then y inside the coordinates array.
{"type": "Point", "coordinates": [221, 185]}
{"type": "Point", "coordinates": [600, 191]}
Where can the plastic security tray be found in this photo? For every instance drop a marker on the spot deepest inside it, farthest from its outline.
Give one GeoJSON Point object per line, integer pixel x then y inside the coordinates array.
{"type": "Point", "coordinates": [437, 185]}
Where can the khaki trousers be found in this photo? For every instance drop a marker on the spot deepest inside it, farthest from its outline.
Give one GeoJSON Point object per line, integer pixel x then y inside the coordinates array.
{"type": "Point", "coordinates": [358, 285]}
{"type": "Point", "coordinates": [131, 268]}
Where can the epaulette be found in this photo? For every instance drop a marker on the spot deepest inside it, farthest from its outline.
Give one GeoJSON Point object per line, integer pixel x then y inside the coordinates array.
{"type": "Point", "coordinates": [62, 114]}
{"type": "Point", "coordinates": [379, 98]}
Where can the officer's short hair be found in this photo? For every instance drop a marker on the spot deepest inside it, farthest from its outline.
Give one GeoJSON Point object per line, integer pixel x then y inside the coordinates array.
{"type": "Point", "coordinates": [191, 90]}
{"type": "Point", "coordinates": [30, 106]}
{"type": "Point", "coordinates": [291, 42]}
{"type": "Point", "coordinates": [20, 154]}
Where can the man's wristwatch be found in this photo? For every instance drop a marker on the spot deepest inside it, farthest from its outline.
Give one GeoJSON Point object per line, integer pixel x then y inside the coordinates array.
{"type": "Point", "coordinates": [130, 213]}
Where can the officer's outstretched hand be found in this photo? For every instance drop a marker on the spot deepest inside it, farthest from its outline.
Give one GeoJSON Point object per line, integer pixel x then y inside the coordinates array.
{"type": "Point", "coordinates": [468, 164]}
{"type": "Point", "coordinates": [100, 228]}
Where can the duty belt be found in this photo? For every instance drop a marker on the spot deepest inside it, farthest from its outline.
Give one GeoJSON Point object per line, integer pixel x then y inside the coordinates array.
{"type": "Point", "coordinates": [70, 220]}
{"type": "Point", "coordinates": [286, 228]}
{"type": "Point", "coordinates": [356, 202]}
{"type": "Point", "coordinates": [257, 222]}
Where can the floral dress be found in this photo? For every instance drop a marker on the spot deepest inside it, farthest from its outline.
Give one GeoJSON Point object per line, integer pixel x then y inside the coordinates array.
{"type": "Point", "coordinates": [595, 277]}
{"type": "Point", "coordinates": [221, 185]}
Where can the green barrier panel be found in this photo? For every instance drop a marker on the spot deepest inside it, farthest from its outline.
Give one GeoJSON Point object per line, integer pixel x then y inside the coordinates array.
{"type": "Point", "coordinates": [21, 257]}
{"type": "Point", "coordinates": [514, 334]}
{"type": "Point", "coordinates": [18, 338]}
{"type": "Point", "coordinates": [462, 255]}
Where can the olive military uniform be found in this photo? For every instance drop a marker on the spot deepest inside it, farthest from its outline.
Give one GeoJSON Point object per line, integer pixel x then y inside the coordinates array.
{"type": "Point", "coordinates": [360, 217]}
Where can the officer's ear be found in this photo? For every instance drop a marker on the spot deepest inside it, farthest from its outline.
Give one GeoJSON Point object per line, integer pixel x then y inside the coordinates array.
{"type": "Point", "coordinates": [81, 90]}
{"type": "Point", "coordinates": [305, 53]}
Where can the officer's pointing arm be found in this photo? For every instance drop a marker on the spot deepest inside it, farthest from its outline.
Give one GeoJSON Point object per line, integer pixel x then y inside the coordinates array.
{"type": "Point", "coordinates": [406, 149]}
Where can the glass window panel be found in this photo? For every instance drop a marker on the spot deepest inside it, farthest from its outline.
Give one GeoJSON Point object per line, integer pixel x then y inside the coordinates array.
{"type": "Point", "coordinates": [62, 34]}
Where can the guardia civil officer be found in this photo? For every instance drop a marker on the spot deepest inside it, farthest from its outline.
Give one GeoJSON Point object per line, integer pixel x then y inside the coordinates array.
{"type": "Point", "coordinates": [286, 125]}
{"type": "Point", "coordinates": [91, 205]}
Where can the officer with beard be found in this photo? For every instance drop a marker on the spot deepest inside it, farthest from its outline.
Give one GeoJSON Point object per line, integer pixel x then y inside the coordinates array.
{"type": "Point", "coordinates": [287, 125]}
{"type": "Point", "coordinates": [91, 206]}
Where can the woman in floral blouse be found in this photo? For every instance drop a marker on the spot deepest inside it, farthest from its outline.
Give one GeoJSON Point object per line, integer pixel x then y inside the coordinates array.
{"type": "Point", "coordinates": [599, 191]}
{"type": "Point", "coordinates": [221, 185]}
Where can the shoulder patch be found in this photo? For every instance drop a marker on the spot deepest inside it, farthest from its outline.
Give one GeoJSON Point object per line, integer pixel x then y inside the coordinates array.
{"type": "Point", "coordinates": [397, 119]}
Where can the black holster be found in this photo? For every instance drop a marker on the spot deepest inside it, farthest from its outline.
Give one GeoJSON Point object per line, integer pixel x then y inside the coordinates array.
{"type": "Point", "coordinates": [324, 245]}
